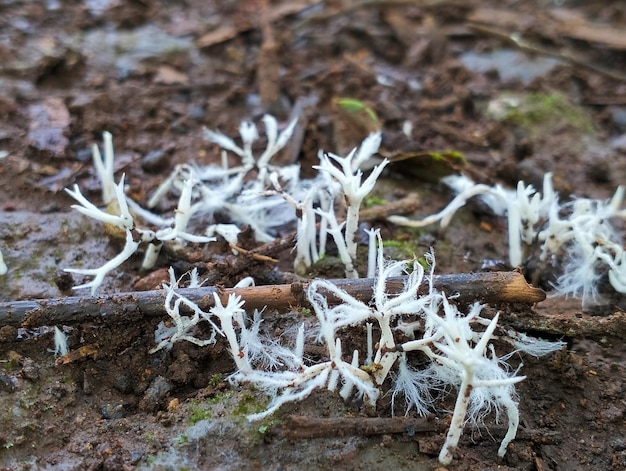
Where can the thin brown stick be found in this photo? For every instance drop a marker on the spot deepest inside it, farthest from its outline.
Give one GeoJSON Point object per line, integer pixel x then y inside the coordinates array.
{"type": "Point", "coordinates": [374, 4]}
{"type": "Point", "coordinates": [527, 46]}
{"type": "Point", "coordinates": [228, 31]}
{"type": "Point", "coordinates": [298, 427]}
{"type": "Point", "coordinates": [492, 287]}
{"type": "Point", "coordinates": [301, 427]}
{"type": "Point", "coordinates": [406, 205]}
{"type": "Point", "coordinates": [268, 69]}
{"type": "Point", "coordinates": [255, 256]}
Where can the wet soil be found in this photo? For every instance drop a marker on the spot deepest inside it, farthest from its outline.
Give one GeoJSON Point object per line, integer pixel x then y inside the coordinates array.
{"type": "Point", "coordinates": [519, 88]}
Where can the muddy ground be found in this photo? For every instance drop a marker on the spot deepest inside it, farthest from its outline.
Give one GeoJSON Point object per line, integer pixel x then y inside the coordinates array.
{"type": "Point", "coordinates": [519, 88]}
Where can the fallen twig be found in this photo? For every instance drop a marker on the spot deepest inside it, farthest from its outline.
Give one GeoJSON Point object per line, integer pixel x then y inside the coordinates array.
{"type": "Point", "coordinates": [302, 427]}
{"type": "Point", "coordinates": [255, 256]}
{"type": "Point", "coordinates": [268, 68]}
{"type": "Point", "coordinates": [406, 205]}
{"type": "Point", "coordinates": [491, 287]}
{"type": "Point", "coordinates": [229, 31]}
{"type": "Point", "coordinates": [526, 46]}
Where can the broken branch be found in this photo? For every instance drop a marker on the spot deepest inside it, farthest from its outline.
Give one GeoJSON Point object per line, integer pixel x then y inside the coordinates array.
{"type": "Point", "coordinates": [491, 287]}
{"type": "Point", "coordinates": [303, 427]}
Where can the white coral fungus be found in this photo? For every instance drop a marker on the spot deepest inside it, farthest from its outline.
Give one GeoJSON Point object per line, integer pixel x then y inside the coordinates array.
{"type": "Point", "coordinates": [267, 198]}
{"type": "Point", "coordinates": [458, 346]}
{"type": "Point", "coordinates": [582, 228]}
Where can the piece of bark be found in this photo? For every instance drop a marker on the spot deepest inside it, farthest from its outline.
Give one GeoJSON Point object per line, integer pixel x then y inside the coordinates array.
{"type": "Point", "coordinates": [561, 317]}
{"type": "Point", "coordinates": [490, 287]}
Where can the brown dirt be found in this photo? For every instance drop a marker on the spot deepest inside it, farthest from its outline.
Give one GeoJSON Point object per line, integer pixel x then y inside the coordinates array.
{"type": "Point", "coordinates": [153, 73]}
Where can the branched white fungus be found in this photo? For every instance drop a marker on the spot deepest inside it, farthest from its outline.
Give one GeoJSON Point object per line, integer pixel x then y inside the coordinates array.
{"type": "Point", "coordinates": [115, 198]}
{"type": "Point", "coordinates": [459, 347]}
{"type": "Point", "coordinates": [582, 228]}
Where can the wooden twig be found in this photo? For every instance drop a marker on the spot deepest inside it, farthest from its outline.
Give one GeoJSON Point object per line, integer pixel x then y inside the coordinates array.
{"type": "Point", "coordinates": [255, 256]}
{"type": "Point", "coordinates": [529, 47]}
{"type": "Point", "coordinates": [351, 7]}
{"type": "Point", "coordinates": [297, 427]}
{"type": "Point", "coordinates": [301, 427]}
{"type": "Point", "coordinates": [268, 68]}
{"type": "Point", "coordinates": [406, 205]}
{"type": "Point", "coordinates": [228, 31]}
{"type": "Point", "coordinates": [269, 251]}
{"type": "Point", "coordinates": [491, 287]}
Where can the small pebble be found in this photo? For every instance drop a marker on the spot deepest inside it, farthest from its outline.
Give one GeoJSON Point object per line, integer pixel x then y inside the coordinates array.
{"type": "Point", "coordinates": [115, 410]}
{"type": "Point", "coordinates": [155, 394]}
